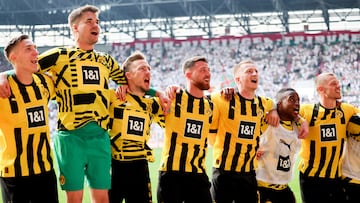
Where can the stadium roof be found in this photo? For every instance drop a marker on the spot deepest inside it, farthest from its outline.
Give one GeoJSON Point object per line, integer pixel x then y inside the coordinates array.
{"type": "Point", "coordinates": [127, 20]}
{"type": "Point", "coordinates": [48, 12]}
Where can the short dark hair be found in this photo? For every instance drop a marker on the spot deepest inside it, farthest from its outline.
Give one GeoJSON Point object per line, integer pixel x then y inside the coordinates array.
{"type": "Point", "coordinates": [191, 61]}
{"type": "Point", "coordinates": [282, 93]}
{"type": "Point", "coordinates": [77, 13]}
{"type": "Point", "coordinates": [12, 43]}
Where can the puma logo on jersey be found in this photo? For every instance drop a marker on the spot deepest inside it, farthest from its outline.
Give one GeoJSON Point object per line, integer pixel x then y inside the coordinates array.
{"type": "Point", "coordinates": [283, 142]}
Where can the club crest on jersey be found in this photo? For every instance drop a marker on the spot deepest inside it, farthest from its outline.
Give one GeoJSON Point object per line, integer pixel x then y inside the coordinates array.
{"type": "Point", "coordinates": [260, 113]}
{"type": "Point", "coordinates": [45, 93]}
{"type": "Point", "coordinates": [102, 60]}
{"type": "Point", "coordinates": [339, 114]}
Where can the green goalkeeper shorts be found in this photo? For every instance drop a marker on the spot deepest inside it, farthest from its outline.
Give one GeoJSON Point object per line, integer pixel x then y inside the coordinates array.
{"type": "Point", "coordinates": [83, 153]}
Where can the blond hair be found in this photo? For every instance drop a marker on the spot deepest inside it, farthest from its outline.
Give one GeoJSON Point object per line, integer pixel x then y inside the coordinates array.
{"type": "Point", "coordinates": [238, 66]}
{"type": "Point", "coordinates": [137, 55]}
{"type": "Point", "coordinates": [321, 78]}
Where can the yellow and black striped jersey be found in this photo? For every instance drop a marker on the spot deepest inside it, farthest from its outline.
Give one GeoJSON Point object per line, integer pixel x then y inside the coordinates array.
{"type": "Point", "coordinates": [130, 122]}
{"type": "Point", "coordinates": [239, 129]}
{"type": "Point", "coordinates": [82, 84]}
{"type": "Point", "coordinates": [321, 150]}
{"type": "Point", "coordinates": [24, 128]}
{"type": "Point", "coordinates": [186, 134]}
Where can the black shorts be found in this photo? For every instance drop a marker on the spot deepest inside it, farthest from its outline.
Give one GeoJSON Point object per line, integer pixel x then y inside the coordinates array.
{"type": "Point", "coordinates": [177, 187]}
{"type": "Point", "coordinates": [352, 192]}
{"type": "Point", "coordinates": [314, 190]}
{"type": "Point", "coordinates": [279, 196]}
{"type": "Point", "coordinates": [228, 187]}
{"type": "Point", "coordinates": [40, 188]}
{"type": "Point", "coordinates": [130, 182]}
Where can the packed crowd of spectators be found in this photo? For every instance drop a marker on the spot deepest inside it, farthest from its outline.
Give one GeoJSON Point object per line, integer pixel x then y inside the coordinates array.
{"type": "Point", "coordinates": [4, 64]}
{"type": "Point", "coordinates": [279, 66]}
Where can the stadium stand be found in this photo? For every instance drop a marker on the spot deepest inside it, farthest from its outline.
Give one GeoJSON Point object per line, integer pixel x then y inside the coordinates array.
{"type": "Point", "coordinates": [282, 62]}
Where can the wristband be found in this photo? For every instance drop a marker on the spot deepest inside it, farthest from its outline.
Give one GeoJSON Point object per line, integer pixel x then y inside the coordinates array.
{"type": "Point", "coordinates": [274, 106]}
